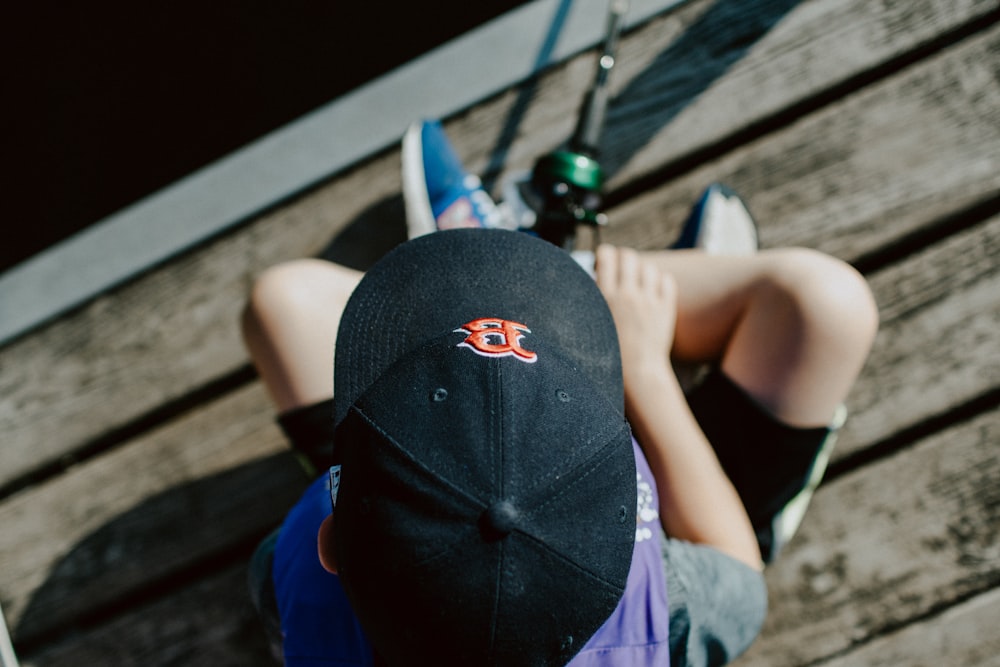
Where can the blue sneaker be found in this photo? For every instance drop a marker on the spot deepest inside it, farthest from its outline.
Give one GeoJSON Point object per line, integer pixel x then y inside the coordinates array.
{"type": "Point", "coordinates": [719, 224]}
{"type": "Point", "coordinates": [437, 190]}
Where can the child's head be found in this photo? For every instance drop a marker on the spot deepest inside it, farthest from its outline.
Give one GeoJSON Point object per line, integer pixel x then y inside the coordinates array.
{"type": "Point", "coordinates": [486, 506]}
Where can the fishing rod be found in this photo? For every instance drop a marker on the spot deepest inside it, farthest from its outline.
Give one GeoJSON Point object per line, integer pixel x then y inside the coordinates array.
{"type": "Point", "coordinates": [564, 188]}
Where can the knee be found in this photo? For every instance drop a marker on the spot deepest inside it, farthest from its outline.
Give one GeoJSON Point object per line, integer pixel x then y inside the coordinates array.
{"type": "Point", "coordinates": [275, 289]}
{"type": "Point", "coordinates": [280, 292]}
{"type": "Point", "coordinates": [283, 284]}
{"type": "Point", "coordinates": [827, 295]}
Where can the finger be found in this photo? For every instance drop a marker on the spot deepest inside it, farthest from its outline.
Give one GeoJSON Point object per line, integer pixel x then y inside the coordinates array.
{"type": "Point", "coordinates": [651, 279]}
{"type": "Point", "coordinates": [606, 267]}
{"type": "Point", "coordinates": [668, 288]}
{"type": "Point", "coordinates": [629, 268]}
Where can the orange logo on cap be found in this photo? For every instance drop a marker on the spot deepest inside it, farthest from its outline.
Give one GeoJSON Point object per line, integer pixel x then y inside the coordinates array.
{"type": "Point", "coordinates": [493, 337]}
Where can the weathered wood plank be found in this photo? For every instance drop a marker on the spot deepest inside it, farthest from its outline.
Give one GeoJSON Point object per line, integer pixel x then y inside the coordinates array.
{"type": "Point", "coordinates": [199, 486]}
{"type": "Point", "coordinates": [860, 173]}
{"type": "Point", "coordinates": [123, 501]}
{"type": "Point", "coordinates": [913, 305]}
{"type": "Point", "coordinates": [937, 348]}
{"type": "Point", "coordinates": [888, 544]}
{"type": "Point", "coordinates": [962, 636]}
{"type": "Point", "coordinates": [209, 624]}
{"type": "Point", "coordinates": [881, 548]}
{"type": "Point", "coordinates": [936, 272]}
{"type": "Point", "coordinates": [709, 72]}
{"type": "Point", "coordinates": [154, 341]}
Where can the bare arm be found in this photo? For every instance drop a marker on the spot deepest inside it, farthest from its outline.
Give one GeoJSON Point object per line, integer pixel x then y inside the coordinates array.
{"type": "Point", "coordinates": [697, 501]}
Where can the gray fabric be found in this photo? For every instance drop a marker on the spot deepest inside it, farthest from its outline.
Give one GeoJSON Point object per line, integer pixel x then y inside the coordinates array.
{"type": "Point", "coordinates": [717, 604]}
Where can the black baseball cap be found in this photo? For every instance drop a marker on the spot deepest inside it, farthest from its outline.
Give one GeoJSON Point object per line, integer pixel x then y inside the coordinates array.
{"type": "Point", "coordinates": [487, 495]}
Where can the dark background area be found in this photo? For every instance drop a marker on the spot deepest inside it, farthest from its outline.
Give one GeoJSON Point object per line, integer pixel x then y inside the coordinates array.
{"type": "Point", "coordinates": [107, 102]}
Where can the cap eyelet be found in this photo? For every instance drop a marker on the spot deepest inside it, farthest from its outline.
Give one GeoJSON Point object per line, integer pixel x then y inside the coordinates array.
{"type": "Point", "coordinates": [439, 395]}
{"type": "Point", "coordinates": [563, 396]}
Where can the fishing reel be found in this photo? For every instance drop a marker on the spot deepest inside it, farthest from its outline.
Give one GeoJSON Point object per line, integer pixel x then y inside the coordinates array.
{"type": "Point", "coordinates": [562, 192]}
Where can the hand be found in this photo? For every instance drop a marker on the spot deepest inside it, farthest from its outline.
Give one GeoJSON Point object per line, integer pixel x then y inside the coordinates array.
{"type": "Point", "coordinates": [643, 302]}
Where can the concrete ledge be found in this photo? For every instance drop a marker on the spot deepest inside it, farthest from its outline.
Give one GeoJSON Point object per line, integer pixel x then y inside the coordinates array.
{"type": "Point", "coordinates": [290, 159]}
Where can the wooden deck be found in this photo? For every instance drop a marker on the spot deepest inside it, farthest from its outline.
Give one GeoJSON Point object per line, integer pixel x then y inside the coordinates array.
{"type": "Point", "coordinates": [140, 463]}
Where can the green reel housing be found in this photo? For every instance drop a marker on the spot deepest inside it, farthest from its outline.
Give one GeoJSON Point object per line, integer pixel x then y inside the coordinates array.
{"type": "Point", "coordinates": [569, 184]}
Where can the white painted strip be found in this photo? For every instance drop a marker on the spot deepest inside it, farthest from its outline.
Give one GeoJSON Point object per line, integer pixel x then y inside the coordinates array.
{"type": "Point", "coordinates": [7, 657]}
{"type": "Point", "coordinates": [452, 77]}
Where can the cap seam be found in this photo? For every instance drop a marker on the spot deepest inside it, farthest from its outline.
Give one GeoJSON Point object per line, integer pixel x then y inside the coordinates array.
{"type": "Point", "coordinates": [413, 460]}
{"type": "Point", "coordinates": [591, 465]}
{"type": "Point", "coordinates": [427, 473]}
{"type": "Point", "coordinates": [576, 566]}
{"type": "Point", "coordinates": [595, 463]}
{"type": "Point", "coordinates": [495, 614]}
{"type": "Point", "coordinates": [497, 417]}
{"type": "Point", "coordinates": [497, 451]}
{"type": "Point", "coordinates": [592, 461]}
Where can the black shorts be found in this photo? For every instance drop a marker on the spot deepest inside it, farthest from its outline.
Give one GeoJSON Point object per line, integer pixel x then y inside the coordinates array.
{"type": "Point", "coordinates": [309, 430]}
{"type": "Point", "coordinates": [773, 466]}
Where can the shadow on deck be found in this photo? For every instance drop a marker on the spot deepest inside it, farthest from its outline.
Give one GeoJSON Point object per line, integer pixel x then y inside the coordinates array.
{"type": "Point", "coordinates": [868, 131]}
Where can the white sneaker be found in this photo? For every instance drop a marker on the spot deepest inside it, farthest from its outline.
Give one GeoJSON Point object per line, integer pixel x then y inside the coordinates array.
{"type": "Point", "coordinates": [719, 224]}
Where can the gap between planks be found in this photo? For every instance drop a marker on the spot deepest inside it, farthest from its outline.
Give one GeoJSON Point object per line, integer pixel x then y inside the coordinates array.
{"type": "Point", "coordinates": [302, 227]}
{"type": "Point", "coordinates": [198, 468]}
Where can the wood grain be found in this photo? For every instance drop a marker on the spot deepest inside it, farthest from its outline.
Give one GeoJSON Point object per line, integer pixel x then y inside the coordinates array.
{"type": "Point", "coordinates": [887, 545]}
{"type": "Point", "coordinates": [137, 351]}
{"type": "Point", "coordinates": [862, 173]}
{"type": "Point", "coordinates": [124, 526]}
{"type": "Point", "coordinates": [208, 624]}
{"type": "Point", "coordinates": [198, 487]}
{"type": "Point", "coordinates": [961, 636]}
{"type": "Point", "coordinates": [937, 348]}
{"type": "Point", "coordinates": [863, 129]}
{"type": "Point", "coordinates": [872, 557]}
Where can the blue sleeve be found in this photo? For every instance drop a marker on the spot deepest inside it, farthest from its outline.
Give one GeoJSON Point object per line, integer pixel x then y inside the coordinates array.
{"type": "Point", "coordinates": [317, 623]}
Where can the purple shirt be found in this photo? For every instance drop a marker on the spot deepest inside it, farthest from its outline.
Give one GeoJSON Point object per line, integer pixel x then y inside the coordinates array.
{"type": "Point", "coordinates": [637, 632]}
{"type": "Point", "coordinates": [319, 627]}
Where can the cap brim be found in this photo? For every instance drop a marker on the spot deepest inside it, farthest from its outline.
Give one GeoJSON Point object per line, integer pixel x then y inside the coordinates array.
{"type": "Point", "coordinates": [437, 283]}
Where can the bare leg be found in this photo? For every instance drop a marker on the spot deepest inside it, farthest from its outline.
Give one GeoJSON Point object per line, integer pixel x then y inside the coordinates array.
{"type": "Point", "coordinates": [290, 326]}
{"type": "Point", "coordinates": [792, 326]}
